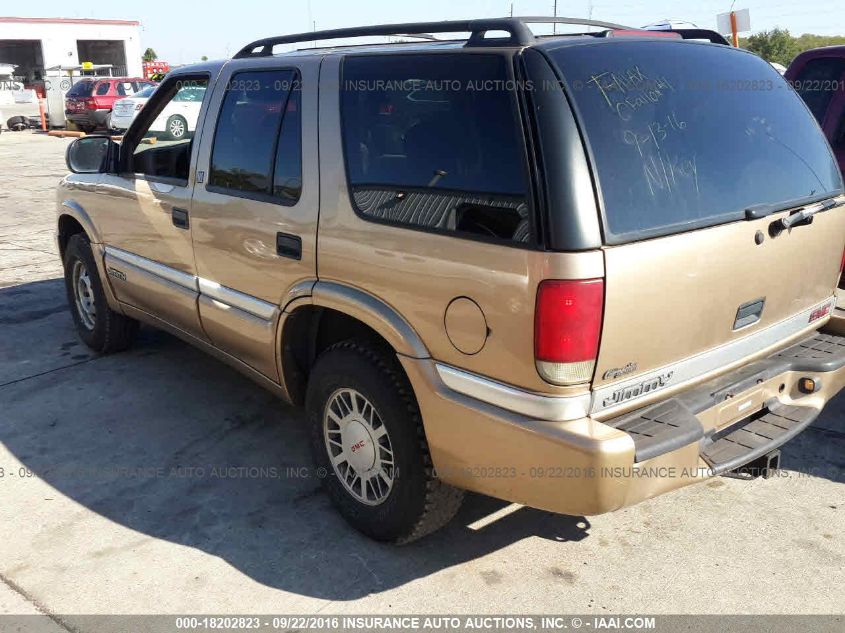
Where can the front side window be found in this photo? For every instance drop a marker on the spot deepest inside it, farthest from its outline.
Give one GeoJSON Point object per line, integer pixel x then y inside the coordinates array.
{"type": "Point", "coordinates": [433, 142]}
{"type": "Point", "coordinates": [167, 130]}
{"type": "Point", "coordinates": [256, 151]}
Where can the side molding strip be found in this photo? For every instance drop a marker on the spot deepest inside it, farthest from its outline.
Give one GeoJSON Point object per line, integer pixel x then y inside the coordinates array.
{"type": "Point", "coordinates": [257, 307]}
{"type": "Point", "coordinates": [553, 408]}
{"type": "Point", "coordinates": [171, 274]}
{"type": "Point", "coordinates": [254, 306]}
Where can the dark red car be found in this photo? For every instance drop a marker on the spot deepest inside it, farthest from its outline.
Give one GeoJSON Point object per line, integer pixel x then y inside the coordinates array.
{"type": "Point", "coordinates": [818, 75]}
{"type": "Point", "coordinates": [89, 102]}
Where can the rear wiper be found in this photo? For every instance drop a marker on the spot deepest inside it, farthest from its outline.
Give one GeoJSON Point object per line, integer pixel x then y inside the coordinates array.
{"type": "Point", "coordinates": [757, 211]}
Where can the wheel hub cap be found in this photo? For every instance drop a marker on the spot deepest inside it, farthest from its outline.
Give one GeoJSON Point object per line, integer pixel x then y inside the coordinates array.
{"type": "Point", "coordinates": [84, 295]}
{"type": "Point", "coordinates": [358, 446]}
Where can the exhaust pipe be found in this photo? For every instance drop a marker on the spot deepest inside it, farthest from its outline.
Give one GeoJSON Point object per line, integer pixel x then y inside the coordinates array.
{"type": "Point", "coordinates": [765, 467]}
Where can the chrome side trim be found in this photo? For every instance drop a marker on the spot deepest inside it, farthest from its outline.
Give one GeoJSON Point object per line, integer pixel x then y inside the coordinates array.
{"type": "Point", "coordinates": [160, 270]}
{"type": "Point", "coordinates": [534, 405]}
{"type": "Point", "coordinates": [256, 307]}
{"type": "Point", "coordinates": [706, 362]}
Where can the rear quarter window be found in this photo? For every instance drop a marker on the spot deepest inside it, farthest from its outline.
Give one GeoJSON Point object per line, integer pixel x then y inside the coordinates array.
{"type": "Point", "coordinates": [432, 142]}
{"type": "Point", "coordinates": [684, 135]}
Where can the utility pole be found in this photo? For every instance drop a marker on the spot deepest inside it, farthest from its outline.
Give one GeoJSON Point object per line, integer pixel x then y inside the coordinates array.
{"type": "Point", "coordinates": [511, 9]}
{"type": "Point", "coordinates": [554, 24]}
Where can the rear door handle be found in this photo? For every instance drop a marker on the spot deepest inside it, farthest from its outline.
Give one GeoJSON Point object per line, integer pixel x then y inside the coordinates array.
{"type": "Point", "coordinates": [288, 245]}
{"type": "Point", "coordinates": [180, 218]}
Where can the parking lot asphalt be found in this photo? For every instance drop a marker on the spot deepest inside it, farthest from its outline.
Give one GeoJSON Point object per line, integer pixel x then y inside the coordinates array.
{"type": "Point", "coordinates": [141, 483]}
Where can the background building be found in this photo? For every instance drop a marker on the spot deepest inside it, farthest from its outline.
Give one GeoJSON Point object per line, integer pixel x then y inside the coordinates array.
{"type": "Point", "coordinates": [35, 44]}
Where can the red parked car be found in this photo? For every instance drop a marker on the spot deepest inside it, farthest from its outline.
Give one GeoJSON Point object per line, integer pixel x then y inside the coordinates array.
{"type": "Point", "coordinates": [818, 75]}
{"type": "Point", "coordinates": [89, 102]}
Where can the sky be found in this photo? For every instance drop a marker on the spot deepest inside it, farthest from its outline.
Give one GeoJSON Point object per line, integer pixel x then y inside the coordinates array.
{"type": "Point", "coordinates": [182, 31]}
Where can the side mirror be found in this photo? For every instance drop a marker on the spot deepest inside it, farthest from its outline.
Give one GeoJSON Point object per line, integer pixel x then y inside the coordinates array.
{"type": "Point", "coordinates": [90, 154]}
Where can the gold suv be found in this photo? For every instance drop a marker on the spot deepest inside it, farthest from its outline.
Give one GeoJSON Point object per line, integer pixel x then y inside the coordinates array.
{"type": "Point", "coordinates": [572, 271]}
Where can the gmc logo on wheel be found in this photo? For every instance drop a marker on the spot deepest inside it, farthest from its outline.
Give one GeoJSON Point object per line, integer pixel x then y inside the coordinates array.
{"type": "Point", "coordinates": [358, 445]}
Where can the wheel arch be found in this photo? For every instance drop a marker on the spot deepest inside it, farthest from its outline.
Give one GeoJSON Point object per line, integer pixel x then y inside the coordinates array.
{"type": "Point", "coordinates": [332, 313]}
{"type": "Point", "coordinates": [74, 219]}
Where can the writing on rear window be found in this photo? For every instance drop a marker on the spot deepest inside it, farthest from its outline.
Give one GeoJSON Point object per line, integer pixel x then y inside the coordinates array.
{"type": "Point", "coordinates": [680, 139]}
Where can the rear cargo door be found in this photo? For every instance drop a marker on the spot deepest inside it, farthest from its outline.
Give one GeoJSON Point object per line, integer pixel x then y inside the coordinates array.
{"type": "Point", "coordinates": [699, 152]}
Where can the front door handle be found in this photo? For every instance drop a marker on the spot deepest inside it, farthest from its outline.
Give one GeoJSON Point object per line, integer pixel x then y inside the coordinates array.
{"type": "Point", "coordinates": [180, 218]}
{"type": "Point", "coordinates": [288, 245]}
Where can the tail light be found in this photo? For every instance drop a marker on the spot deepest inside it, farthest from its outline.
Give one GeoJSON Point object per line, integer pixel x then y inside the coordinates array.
{"type": "Point", "coordinates": [89, 103]}
{"type": "Point", "coordinates": [567, 326]}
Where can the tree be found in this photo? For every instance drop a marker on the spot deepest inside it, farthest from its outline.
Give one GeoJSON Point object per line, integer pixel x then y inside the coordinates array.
{"type": "Point", "coordinates": [150, 55]}
{"type": "Point", "coordinates": [776, 45]}
{"type": "Point", "coordinates": [204, 58]}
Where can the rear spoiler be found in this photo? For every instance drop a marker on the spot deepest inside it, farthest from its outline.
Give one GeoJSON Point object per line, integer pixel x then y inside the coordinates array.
{"type": "Point", "coordinates": [677, 34]}
{"type": "Point", "coordinates": [697, 34]}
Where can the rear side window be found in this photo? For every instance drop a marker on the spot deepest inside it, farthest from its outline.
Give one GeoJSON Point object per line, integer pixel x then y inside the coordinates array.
{"type": "Point", "coordinates": [433, 142]}
{"type": "Point", "coordinates": [81, 89]}
{"type": "Point", "coordinates": [685, 135]}
{"type": "Point", "coordinates": [818, 81]}
{"type": "Point", "coordinates": [103, 89]}
{"type": "Point", "coordinates": [256, 151]}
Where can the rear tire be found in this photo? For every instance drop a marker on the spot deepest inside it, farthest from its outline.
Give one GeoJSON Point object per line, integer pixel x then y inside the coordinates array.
{"type": "Point", "coordinates": [177, 127]}
{"type": "Point", "coordinates": [100, 328]}
{"type": "Point", "coordinates": [369, 446]}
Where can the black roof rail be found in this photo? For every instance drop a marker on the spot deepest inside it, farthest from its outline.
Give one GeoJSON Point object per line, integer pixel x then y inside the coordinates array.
{"type": "Point", "coordinates": [520, 34]}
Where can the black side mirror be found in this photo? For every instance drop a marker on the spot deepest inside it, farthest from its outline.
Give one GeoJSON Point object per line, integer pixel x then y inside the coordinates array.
{"type": "Point", "coordinates": [91, 154]}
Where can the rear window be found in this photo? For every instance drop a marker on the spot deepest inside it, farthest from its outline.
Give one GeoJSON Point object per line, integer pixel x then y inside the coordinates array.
{"type": "Point", "coordinates": [81, 89]}
{"type": "Point", "coordinates": [685, 135]}
{"type": "Point", "coordinates": [817, 82]}
{"type": "Point", "coordinates": [148, 91]}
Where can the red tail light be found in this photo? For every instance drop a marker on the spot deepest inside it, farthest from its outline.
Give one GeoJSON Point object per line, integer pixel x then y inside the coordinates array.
{"type": "Point", "coordinates": [842, 271]}
{"type": "Point", "coordinates": [567, 327]}
{"type": "Point", "coordinates": [89, 103]}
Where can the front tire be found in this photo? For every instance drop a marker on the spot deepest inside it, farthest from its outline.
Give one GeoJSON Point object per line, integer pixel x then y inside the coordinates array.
{"type": "Point", "coordinates": [369, 446]}
{"type": "Point", "coordinates": [100, 328]}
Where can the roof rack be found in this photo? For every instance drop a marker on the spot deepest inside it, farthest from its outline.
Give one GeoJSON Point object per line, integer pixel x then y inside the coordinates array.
{"type": "Point", "coordinates": [520, 34]}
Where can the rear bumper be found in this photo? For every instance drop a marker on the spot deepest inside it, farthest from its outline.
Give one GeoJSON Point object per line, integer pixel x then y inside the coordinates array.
{"type": "Point", "coordinates": [121, 122]}
{"type": "Point", "coordinates": [88, 117]}
{"type": "Point", "coordinates": [586, 466]}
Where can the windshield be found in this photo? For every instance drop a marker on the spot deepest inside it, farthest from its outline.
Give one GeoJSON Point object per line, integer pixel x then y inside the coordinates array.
{"type": "Point", "coordinates": [684, 135]}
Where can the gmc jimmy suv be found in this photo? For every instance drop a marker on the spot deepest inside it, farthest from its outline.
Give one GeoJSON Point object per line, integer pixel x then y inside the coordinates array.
{"type": "Point", "coordinates": [572, 272]}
